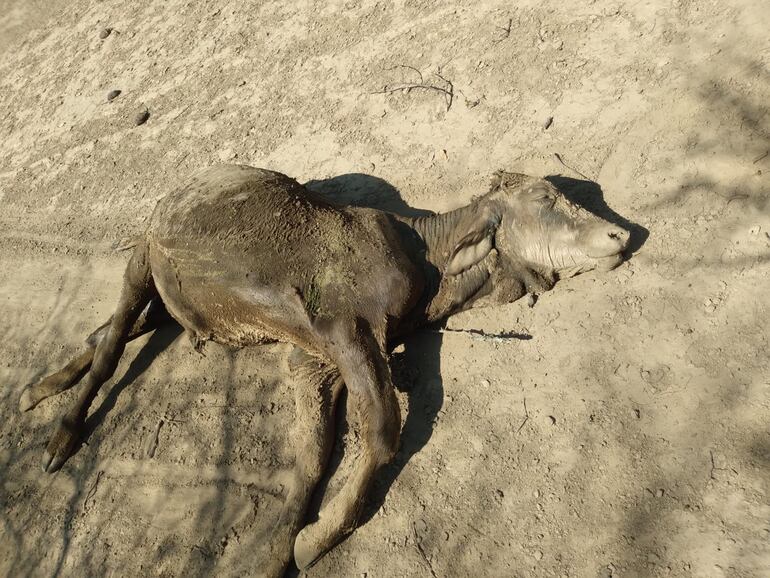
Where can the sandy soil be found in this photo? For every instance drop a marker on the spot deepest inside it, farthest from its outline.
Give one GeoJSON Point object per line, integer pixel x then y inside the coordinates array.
{"type": "Point", "coordinates": [628, 437]}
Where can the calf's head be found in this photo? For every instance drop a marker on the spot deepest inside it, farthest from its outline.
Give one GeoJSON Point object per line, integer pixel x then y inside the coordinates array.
{"type": "Point", "coordinates": [547, 231]}
{"type": "Point", "coordinates": [537, 231]}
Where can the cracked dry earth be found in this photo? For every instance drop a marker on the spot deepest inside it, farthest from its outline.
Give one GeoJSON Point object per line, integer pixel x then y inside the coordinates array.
{"type": "Point", "coordinates": [627, 437]}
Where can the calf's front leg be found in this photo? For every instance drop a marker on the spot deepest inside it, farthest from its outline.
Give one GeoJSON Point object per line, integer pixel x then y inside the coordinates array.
{"type": "Point", "coordinates": [362, 362]}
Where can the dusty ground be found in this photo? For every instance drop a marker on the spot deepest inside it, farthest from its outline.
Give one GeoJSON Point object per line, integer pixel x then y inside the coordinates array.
{"type": "Point", "coordinates": [644, 449]}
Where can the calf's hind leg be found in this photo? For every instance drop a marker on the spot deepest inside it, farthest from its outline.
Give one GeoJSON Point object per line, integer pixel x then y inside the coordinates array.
{"type": "Point", "coordinates": [54, 384]}
{"type": "Point", "coordinates": [151, 317]}
{"type": "Point", "coordinates": [138, 290]}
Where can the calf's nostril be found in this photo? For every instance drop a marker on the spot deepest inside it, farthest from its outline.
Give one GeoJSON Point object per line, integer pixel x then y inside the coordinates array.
{"type": "Point", "coordinates": [619, 235]}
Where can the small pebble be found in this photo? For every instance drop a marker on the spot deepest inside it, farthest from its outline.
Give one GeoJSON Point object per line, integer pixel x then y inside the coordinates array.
{"type": "Point", "coordinates": [548, 122]}
{"type": "Point", "coordinates": [105, 32]}
{"type": "Point", "coordinates": [538, 555]}
{"type": "Point", "coordinates": [553, 419]}
{"type": "Point", "coordinates": [659, 492]}
{"type": "Point", "coordinates": [112, 95]}
{"type": "Point", "coordinates": [142, 117]}
{"type": "Point", "coordinates": [485, 382]}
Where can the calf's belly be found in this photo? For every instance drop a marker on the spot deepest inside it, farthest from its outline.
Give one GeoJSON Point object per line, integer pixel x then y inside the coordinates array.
{"type": "Point", "coordinates": [222, 306]}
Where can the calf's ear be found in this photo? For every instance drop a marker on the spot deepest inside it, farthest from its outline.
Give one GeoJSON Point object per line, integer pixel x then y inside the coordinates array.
{"type": "Point", "coordinates": [475, 245]}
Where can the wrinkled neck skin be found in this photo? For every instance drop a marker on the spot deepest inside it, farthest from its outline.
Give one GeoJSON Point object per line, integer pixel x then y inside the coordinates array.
{"type": "Point", "coordinates": [494, 280]}
{"type": "Point", "coordinates": [442, 232]}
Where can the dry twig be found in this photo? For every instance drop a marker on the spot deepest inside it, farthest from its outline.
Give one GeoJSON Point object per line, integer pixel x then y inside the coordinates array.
{"type": "Point", "coordinates": [153, 441]}
{"type": "Point", "coordinates": [526, 416]}
{"type": "Point", "coordinates": [92, 489]}
{"type": "Point", "coordinates": [448, 91]}
{"type": "Point", "coordinates": [422, 552]}
{"type": "Point", "coordinates": [484, 336]}
{"type": "Point", "coordinates": [506, 30]}
{"type": "Point", "coordinates": [557, 156]}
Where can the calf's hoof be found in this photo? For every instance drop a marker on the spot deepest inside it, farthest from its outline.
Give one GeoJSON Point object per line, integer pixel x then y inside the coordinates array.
{"type": "Point", "coordinates": [307, 549]}
{"type": "Point", "coordinates": [28, 400]}
{"type": "Point", "coordinates": [315, 540]}
{"type": "Point", "coordinates": [60, 445]}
